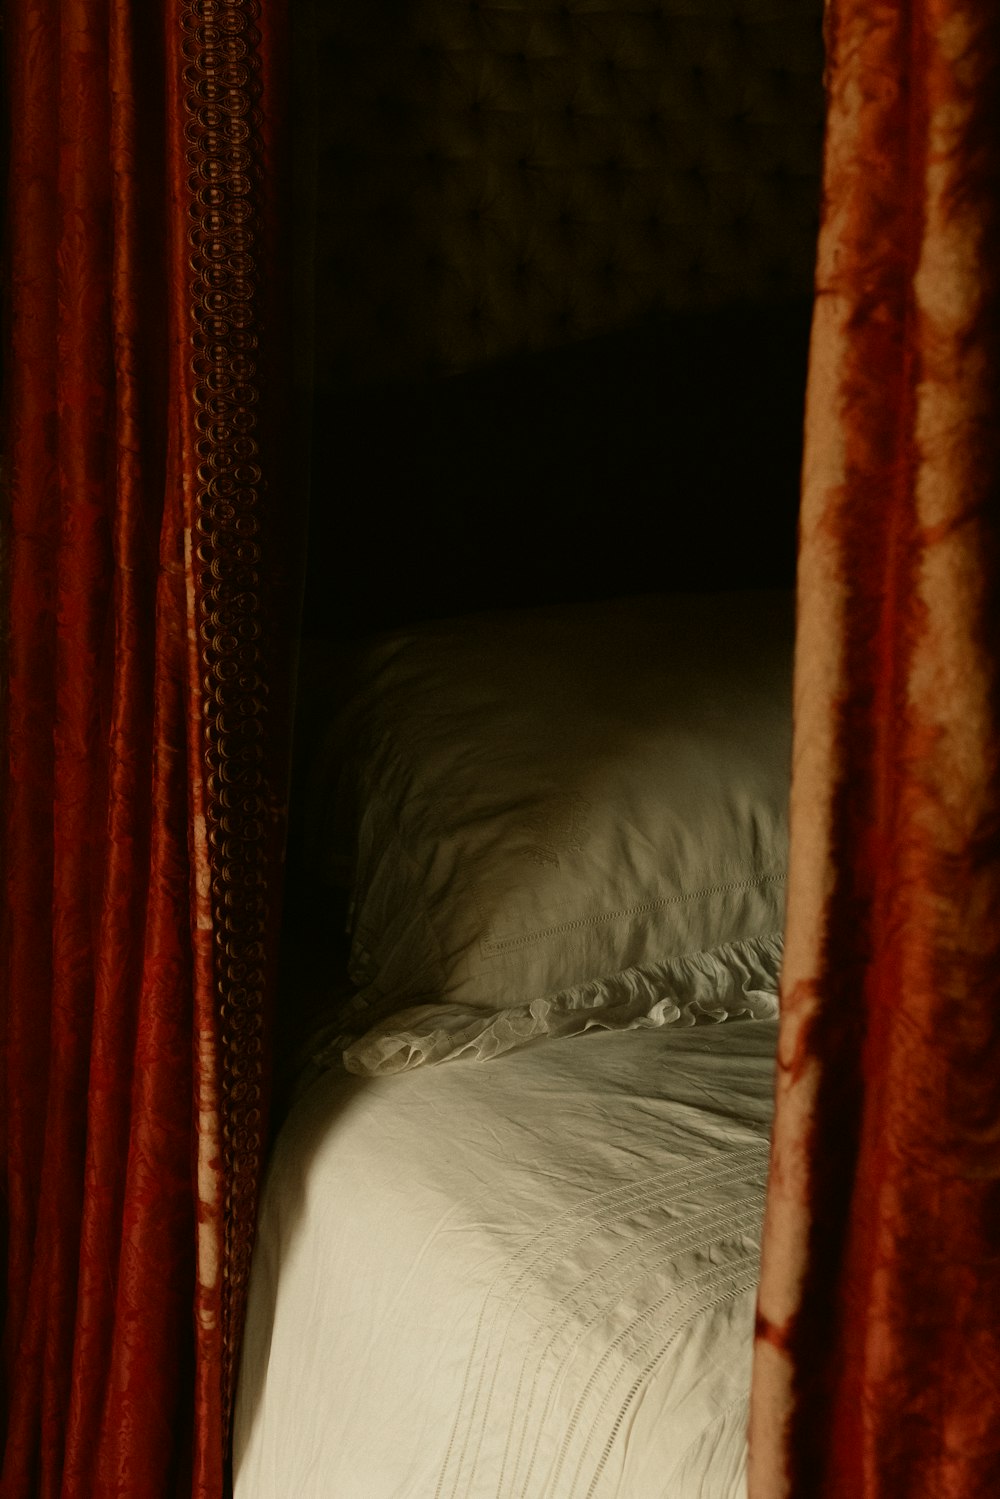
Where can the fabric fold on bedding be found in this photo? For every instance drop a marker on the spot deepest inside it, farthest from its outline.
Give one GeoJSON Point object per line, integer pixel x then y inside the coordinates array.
{"type": "Point", "coordinates": [737, 980]}
{"type": "Point", "coordinates": [530, 1280]}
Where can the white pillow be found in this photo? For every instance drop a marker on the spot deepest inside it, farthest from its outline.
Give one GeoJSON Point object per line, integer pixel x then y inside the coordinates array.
{"type": "Point", "coordinates": [552, 798]}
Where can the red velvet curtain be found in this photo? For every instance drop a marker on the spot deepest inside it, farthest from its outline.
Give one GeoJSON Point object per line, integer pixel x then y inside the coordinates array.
{"type": "Point", "coordinates": [877, 1366]}
{"type": "Point", "coordinates": [148, 593]}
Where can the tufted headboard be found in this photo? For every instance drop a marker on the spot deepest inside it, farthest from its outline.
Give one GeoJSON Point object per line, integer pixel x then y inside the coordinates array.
{"type": "Point", "coordinates": [563, 262]}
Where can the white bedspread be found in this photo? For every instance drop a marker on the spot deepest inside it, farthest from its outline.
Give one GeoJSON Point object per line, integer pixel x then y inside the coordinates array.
{"type": "Point", "coordinates": [531, 1278]}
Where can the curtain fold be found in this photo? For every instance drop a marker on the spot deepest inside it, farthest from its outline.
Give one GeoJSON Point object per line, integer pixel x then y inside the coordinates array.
{"type": "Point", "coordinates": [150, 567]}
{"type": "Point", "coordinates": [877, 1362]}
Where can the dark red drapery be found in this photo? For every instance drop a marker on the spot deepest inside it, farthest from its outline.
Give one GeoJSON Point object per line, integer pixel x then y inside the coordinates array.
{"type": "Point", "coordinates": [143, 782]}
{"type": "Point", "coordinates": [877, 1367]}
{"type": "Point", "coordinates": [148, 600]}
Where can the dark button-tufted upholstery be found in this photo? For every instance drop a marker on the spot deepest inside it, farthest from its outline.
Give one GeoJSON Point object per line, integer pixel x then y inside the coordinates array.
{"type": "Point", "coordinates": [499, 176]}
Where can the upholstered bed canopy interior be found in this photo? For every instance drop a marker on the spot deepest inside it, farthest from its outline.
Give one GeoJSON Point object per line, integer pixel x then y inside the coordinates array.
{"type": "Point", "coordinates": [563, 266]}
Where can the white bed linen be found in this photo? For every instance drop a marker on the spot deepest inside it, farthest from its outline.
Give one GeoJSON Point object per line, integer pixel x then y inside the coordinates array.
{"type": "Point", "coordinates": [546, 798]}
{"type": "Point", "coordinates": [532, 1278]}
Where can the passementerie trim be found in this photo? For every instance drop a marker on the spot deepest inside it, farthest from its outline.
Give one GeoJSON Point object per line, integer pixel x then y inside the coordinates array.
{"type": "Point", "coordinates": [224, 158]}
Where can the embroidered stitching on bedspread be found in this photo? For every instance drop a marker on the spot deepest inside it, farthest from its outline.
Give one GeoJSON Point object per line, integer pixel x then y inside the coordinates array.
{"type": "Point", "coordinates": [740, 1278]}
{"type": "Point", "coordinates": [520, 1276]}
{"type": "Point", "coordinates": [731, 1218]}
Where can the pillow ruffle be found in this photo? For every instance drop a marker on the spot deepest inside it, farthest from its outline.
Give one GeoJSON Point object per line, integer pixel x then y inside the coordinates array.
{"type": "Point", "coordinates": [738, 980]}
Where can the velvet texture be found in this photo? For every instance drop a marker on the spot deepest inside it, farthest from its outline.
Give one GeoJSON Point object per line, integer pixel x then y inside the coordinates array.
{"type": "Point", "coordinates": [877, 1364]}
{"type": "Point", "coordinates": [131, 1155]}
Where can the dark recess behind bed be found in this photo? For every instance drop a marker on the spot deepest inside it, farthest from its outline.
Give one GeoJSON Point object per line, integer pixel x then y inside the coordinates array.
{"type": "Point", "coordinates": [656, 459]}
{"type": "Point", "coordinates": [562, 267]}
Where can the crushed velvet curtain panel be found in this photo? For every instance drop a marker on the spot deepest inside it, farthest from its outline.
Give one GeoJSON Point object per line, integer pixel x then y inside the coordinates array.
{"type": "Point", "coordinates": [877, 1365]}
{"type": "Point", "coordinates": [143, 771]}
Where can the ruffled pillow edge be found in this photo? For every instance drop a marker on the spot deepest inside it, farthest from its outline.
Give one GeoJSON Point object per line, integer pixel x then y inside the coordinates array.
{"type": "Point", "coordinates": [734, 981]}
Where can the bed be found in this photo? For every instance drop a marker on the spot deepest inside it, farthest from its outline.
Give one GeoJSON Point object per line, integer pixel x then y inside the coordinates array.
{"type": "Point", "coordinates": [529, 1277]}
{"type": "Point", "coordinates": [508, 1243]}
{"type": "Point", "coordinates": [561, 276]}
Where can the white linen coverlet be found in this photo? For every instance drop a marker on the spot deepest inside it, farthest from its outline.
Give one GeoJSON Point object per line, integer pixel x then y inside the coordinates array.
{"type": "Point", "coordinates": [532, 1278]}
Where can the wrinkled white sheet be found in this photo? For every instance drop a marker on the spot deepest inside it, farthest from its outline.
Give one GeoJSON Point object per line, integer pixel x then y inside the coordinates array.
{"type": "Point", "coordinates": [531, 1278]}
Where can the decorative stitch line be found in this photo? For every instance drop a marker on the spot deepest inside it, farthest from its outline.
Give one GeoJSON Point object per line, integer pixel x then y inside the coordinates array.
{"type": "Point", "coordinates": [607, 1208]}
{"type": "Point", "coordinates": [738, 1285]}
{"type": "Point", "coordinates": [223, 154]}
{"type": "Point", "coordinates": [717, 1421]}
{"type": "Point", "coordinates": [688, 1295]}
{"type": "Point", "coordinates": [611, 1206]}
{"type": "Point", "coordinates": [492, 947]}
{"type": "Point", "coordinates": [733, 1217]}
